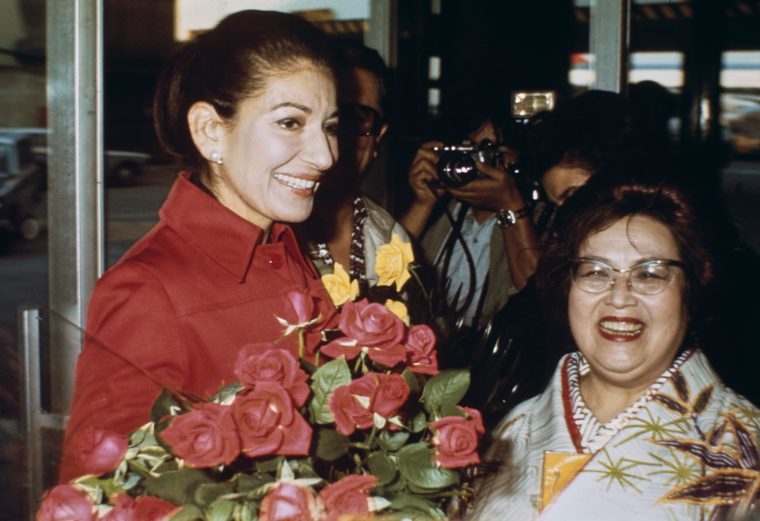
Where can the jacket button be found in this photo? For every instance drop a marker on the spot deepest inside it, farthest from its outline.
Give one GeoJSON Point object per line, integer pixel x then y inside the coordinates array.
{"type": "Point", "coordinates": [275, 262]}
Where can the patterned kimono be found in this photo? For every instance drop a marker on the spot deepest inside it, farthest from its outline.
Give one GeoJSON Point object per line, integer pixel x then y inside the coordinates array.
{"type": "Point", "coordinates": [687, 449]}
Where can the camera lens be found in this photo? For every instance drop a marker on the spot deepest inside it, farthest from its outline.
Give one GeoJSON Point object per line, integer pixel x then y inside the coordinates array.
{"type": "Point", "coordinates": [456, 169]}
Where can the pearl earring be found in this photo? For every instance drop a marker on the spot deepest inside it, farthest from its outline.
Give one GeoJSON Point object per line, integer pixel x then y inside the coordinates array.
{"type": "Point", "coordinates": [216, 157]}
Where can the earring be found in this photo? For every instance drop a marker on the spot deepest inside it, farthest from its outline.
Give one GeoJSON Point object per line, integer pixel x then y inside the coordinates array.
{"type": "Point", "coordinates": [216, 157]}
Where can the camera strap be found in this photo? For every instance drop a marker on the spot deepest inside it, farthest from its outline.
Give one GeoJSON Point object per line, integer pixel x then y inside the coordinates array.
{"type": "Point", "coordinates": [447, 251]}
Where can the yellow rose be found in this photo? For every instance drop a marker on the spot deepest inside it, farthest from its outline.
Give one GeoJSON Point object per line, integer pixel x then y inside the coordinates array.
{"type": "Point", "coordinates": [392, 263]}
{"type": "Point", "coordinates": [339, 285]}
{"type": "Point", "coordinates": [398, 308]}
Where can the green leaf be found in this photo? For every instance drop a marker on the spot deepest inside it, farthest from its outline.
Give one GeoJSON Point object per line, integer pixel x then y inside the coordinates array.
{"type": "Point", "coordinates": [250, 482]}
{"type": "Point", "coordinates": [188, 513]}
{"type": "Point", "coordinates": [382, 466]}
{"type": "Point", "coordinates": [245, 512]}
{"type": "Point", "coordinates": [417, 466]}
{"type": "Point", "coordinates": [451, 409]}
{"type": "Point", "coordinates": [411, 381]}
{"type": "Point", "coordinates": [331, 445]}
{"type": "Point", "coordinates": [221, 510]}
{"type": "Point", "coordinates": [447, 387]}
{"type": "Point", "coordinates": [392, 442]}
{"type": "Point", "coordinates": [268, 464]}
{"type": "Point", "coordinates": [206, 493]}
{"type": "Point", "coordinates": [417, 508]}
{"type": "Point", "coordinates": [176, 486]}
{"type": "Point", "coordinates": [227, 393]}
{"type": "Point", "coordinates": [108, 486]}
{"type": "Point", "coordinates": [418, 423]}
{"type": "Point", "coordinates": [324, 381]}
{"type": "Point", "coordinates": [162, 406]}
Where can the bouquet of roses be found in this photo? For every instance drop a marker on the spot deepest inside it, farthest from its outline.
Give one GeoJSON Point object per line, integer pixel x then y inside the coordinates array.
{"type": "Point", "coordinates": [366, 424]}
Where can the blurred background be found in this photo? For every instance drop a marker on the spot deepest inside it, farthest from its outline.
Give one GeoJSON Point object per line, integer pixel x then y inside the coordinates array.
{"type": "Point", "coordinates": [82, 176]}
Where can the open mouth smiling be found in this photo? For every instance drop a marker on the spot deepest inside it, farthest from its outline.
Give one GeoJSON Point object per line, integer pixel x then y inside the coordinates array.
{"type": "Point", "coordinates": [297, 183]}
{"type": "Point", "coordinates": [620, 328]}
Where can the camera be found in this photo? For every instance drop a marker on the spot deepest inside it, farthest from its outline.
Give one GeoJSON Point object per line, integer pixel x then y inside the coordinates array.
{"type": "Point", "coordinates": [457, 163]}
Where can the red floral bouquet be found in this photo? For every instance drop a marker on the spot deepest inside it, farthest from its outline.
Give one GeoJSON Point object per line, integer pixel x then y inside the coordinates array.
{"type": "Point", "coordinates": [366, 425]}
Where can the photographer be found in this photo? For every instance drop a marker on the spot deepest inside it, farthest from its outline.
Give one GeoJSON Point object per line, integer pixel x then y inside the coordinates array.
{"type": "Point", "coordinates": [468, 232]}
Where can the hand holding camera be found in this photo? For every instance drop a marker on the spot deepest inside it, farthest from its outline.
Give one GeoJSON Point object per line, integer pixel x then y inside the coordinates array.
{"type": "Point", "coordinates": [423, 178]}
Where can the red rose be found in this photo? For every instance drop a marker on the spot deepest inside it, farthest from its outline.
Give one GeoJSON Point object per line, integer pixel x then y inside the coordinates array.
{"type": "Point", "coordinates": [348, 496]}
{"type": "Point", "coordinates": [100, 450]}
{"type": "Point", "coordinates": [301, 308]}
{"type": "Point", "coordinates": [390, 395]}
{"type": "Point", "coordinates": [204, 437]}
{"type": "Point", "coordinates": [456, 439]}
{"type": "Point", "coordinates": [150, 508]}
{"type": "Point", "coordinates": [65, 503]}
{"type": "Point", "coordinates": [288, 502]}
{"type": "Point", "coordinates": [147, 508]}
{"type": "Point", "coordinates": [265, 363]}
{"type": "Point", "coordinates": [371, 327]}
{"type": "Point", "coordinates": [269, 424]}
{"type": "Point", "coordinates": [348, 412]}
{"type": "Point", "coordinates": [420, 350]}
{"type": "Point", "coordinates": [353, 405]}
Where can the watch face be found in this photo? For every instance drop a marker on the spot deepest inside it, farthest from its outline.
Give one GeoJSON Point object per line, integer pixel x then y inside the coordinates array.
{"type": "Point", "coordinates": [506, 218]}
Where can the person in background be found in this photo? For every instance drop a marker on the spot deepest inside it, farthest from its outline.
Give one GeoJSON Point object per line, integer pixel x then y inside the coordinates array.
{"type": "Point", "coordinates": [590, 135]}
{"type": "Point", "coordinates": [478, 237]}
{"type": "Point", "coordinates": [347, 227]}
{"type": "Point", "coordinates": [635, 424]}
{"type": "Point", "coordinates": [249, 108]}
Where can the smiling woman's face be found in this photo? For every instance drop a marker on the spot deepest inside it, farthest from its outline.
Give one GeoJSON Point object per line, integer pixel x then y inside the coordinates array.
{"type": "Point", "coordinates": [278, 147]}
{"type": "Point", "coordinates": [629, 339]}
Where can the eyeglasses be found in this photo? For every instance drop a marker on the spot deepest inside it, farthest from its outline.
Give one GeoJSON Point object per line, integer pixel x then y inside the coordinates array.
{"type": "Point", "coordinates": [360, 120]}
{"type": "Point", "coordinates": [648, 277]}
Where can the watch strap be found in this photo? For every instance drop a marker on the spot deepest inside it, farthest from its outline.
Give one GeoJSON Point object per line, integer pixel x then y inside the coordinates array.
{"type": "Point", "coordinates": [507, 218]}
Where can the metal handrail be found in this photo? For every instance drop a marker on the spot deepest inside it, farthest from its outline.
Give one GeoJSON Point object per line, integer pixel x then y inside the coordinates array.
{"type": "Point", "coordinates": [33, 417]}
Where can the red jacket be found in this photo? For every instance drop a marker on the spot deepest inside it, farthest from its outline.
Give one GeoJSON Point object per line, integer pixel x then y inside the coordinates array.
{"type": "Point", "coordinates": [177, 307]}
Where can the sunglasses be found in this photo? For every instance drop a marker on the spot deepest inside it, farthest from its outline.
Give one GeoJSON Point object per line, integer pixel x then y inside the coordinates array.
{"type": "Point", "coordinates": [360, 120]}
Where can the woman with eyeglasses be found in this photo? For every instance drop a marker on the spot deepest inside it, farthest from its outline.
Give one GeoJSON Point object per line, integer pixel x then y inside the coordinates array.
{"type": "Point", "coordinates": [346, 226]}
{"type": "Point", "coordinates": [635, 424]}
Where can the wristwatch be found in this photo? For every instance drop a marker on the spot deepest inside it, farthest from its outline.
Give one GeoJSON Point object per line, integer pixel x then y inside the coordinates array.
{"type": "Point", "coordinates": [506, 218]}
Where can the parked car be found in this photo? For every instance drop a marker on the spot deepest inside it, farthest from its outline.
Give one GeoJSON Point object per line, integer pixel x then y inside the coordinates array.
{"type": "Point", "coordinates": [122, 167]}
{"type": "Point", "coordinates": [22, 181]}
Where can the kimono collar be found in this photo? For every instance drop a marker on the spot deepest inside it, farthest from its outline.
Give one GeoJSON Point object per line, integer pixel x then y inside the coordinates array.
{"type": "Point", "coordinates": [228, 239]}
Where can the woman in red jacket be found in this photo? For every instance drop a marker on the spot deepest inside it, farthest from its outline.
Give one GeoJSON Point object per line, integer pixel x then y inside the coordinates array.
{"type": "Point", "coordinates": [249, 108]}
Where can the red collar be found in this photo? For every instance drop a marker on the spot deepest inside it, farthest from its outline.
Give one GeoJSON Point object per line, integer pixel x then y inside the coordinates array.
{"type": "Point", "coordinates": [228, 239]}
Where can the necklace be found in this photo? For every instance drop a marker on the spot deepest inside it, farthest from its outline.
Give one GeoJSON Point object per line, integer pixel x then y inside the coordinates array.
{"type": "Point", "coordinates": [356, 268]}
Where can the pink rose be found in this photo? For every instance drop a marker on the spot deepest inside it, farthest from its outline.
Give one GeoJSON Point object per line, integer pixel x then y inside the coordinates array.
{"type": "Point", "coordinates": [269, 424]}
{"type": "Point", "coordinates": [150, 508]}
{"type": "Point", "coordinates": [288, 502]}
{"type": "Point", "coordinates": [147, 508]}
{"type": "Point", "coordinates": [348, 496]}
{"type": "Point", "coordinates": [100, 450]}
{"type": "Point", "coordinates": [265, 363]}
{"type": "Point", "coordinates": [371, 327]}
{"type": "Point", "coordinates": [390, 395]}
{"type": "Point", "coordinates": [420, 349]}
{"type": "Point", "coordinates": [383, 394]}
{"type": "Point", "coordinates": [371, 324]}
{"type": "Point", "coordinates": [348, 412]}
{"type": "Point", "coordinates": [456, 439]}
{"type": "Point", "coordinates": [204, 437]}
{"type": "Point", "coordinates": [302, 307]}
{"type": "Point", "coordinates": [65, 503]}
